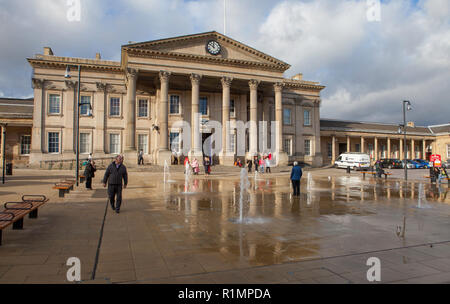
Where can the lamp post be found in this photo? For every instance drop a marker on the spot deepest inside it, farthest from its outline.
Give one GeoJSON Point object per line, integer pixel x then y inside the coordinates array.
{"type": "Point", "coordinates": [79, 104]}
{"type": "Point", "coordinates": [406, 106]}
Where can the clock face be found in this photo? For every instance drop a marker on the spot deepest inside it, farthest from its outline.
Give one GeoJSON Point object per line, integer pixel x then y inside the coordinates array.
{"type": "Point", "coordinates": [213, 47]}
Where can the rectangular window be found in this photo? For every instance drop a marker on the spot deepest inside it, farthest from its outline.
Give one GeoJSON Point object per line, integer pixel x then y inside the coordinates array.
{"type": "Point", "coordinates": [203, 105]}
{"type": "Point", "coordinates": [114, 107]}
{"type": "Point", "coordinates": [143, 108]}
{"type": "Point", "coordinates": [174, 104]}
{"type": "Point", "coordinates": [395, 149]}
{"type": "Point", "coordinates": [448, 151]}
{"type": "Point", "coordinates": [175, 141]}
{"type": "Point", "coordinates": [53, 142]}
{"type": "Point", "coordinates": [85, 143]}
{"type": "Point", "coordinates": [287, 145]}
{"type": "Point", "coordinates": [307, 117]}
{"type": "Point", "coordinates": [358, 148]}
{"type": "Point", "coordinates": [307, 147]}
{"type": "Point", "coordinates": [25, 144]}
{"type": "Point", "coordinates": [383, 151]}
{"type": "Point", "coordinates": [330, 150]}
{"type": "Point", "coordinates": [85, 107]}
{"type": "Point", "coordinates": [114, 143]}
{"type": "Point", "coordinates": [287, 119]}
{"type": "Point", "coordinates": [233, 142]}
{"type": "Point", "coordinates": [232, 109]}
{"type": "Point", "coordinates": [143, 143]}
{"type": "Point", "coordinates": [54, 104]}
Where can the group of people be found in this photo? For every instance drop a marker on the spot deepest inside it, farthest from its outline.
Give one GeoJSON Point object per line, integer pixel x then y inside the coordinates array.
{"type": "Point", "coordinates": [195, 165]}
{"type": "Point", "coordinates": [262, 164]}
{"type": "Point", "coordinates": [438, 174]}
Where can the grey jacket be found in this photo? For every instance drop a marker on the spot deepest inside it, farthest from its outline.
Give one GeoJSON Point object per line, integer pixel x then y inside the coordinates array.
{"type": "Point", "coordinates": [114, 175]}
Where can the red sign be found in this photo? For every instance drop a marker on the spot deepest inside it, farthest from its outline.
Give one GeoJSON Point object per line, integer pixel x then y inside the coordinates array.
{"type": "Point", "coordinates": [436, 160]}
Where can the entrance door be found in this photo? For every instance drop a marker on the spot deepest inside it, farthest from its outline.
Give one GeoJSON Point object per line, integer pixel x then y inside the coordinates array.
{"type": "Point", "coordinates": [342, 148]}
{"type": "Point", "coordinates": [206, 149]}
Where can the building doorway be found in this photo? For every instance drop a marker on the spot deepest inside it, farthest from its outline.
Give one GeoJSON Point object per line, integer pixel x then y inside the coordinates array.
{"type": "Point", "coordinates": [207, 149]}
{"type": "Point", "coordinates": [342, 148]}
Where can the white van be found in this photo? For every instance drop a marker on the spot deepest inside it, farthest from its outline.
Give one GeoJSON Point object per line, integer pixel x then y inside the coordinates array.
{"type": "Point", "coordinates": [356, 161]}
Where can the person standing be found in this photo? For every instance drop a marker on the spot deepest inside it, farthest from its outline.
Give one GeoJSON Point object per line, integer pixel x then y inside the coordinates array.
{"type": "Point", "coordinates": [256, 163]}
{"type": "Point", "coordinates": [141, 158]}
{"type": "Point", "coordinates": [115, 173]}
{"type": "Point", "coordinates": [249, 165]}
{"type": "Point", "coordinates": [207, 165]}
{"type": "Point", "coordinates": [268, 170]}
{"type": "Point", "coordinates": [195, 166]}
{"type": "Point", "coordinates": [262, 164]}
{"type": "Point", "coordinates": [296, 176]}
{"type": "Point", "coordinates": [89, 174]}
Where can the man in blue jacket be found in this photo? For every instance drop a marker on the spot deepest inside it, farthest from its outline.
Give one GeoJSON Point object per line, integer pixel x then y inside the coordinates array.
{"type": "Point", "coordinates": [296, 176]}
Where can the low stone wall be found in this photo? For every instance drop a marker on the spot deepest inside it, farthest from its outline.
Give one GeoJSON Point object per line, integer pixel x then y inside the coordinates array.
{"type": "Point", "coordinates": [101, 163]}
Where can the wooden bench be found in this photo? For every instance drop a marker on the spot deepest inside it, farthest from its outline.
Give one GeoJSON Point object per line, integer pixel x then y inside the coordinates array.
{"type": "Point", "coordinates": [15, 212]}
{"type": "Point", "coordinates": [386, 174]}
{"type": "Point", "coordinates": [64, 187]}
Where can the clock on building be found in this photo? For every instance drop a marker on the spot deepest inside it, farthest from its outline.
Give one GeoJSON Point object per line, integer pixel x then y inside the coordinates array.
{"type": "Point", "coordinates": [213, 47]}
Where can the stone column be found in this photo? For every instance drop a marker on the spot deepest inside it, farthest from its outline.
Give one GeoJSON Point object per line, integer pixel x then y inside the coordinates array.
{"type": "Point", "coordinates": [424, 149]}
{"type": "Point", "coordinates": [196, 149]}
{"type": "Point", "coordinates": [163, 154]}
{"type": "Point", "coordinates": [253, 117]}
{"type": "Point", "coordinates": [349, 144]}
{"type": "Point", "coordinates": [362, 144]}
{"type": "Point", "coordinates": [130, 142]}
{"type": "Point", "coordinates": [376, 149]}
{"type": "Point", "coordinates": [333, 149]}
{"type": "Point", "coordinates": [389, 147]}
{"type": "Point", "coordinates": [282, 157]}
{"type": "Point", "coordinates": [402, 155]}
{"type": "Point", "coordinates": [38, 130]}
{"type": "Point", "coordinates": [70, 98]}
{"type": "Point", "coordinates": [227, 156]}
{"type": "Point", "coordinates": [100, 110]}
{"type": "Point", "coordinates": [413, 150]}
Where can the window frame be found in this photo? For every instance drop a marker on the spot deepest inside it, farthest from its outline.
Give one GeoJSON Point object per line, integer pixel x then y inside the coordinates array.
{"type": "Point", "coordinates": [309, 124]}
{"type": "Point", "coordinates": [232, 113]}
{"type": "Point", "coordinates": [119, 144]}
{"type": "Point", "coordinates": [290, 117]}
{"type": "Point", "coordinates": [89, 143]}
{"type": "Point", "coordinates": [170, 104]}
{"type": "Point", "coordinates": [207, 105]}
{"type": "Point", "coordinates": [138, 106]}
{"type": "Point", "coordinates": [59, 142]}
{"type": "Point", "coordinates": [146, 150]}
{"type": "Point", "coordinates": [21, 145]}
{"type": "Point", "coordinates": [179, 141]}
{"type": "Point", "coordinates": [110, 107]}
{"type": "Point", "coordinates": [49, 95]}
{"type": "Point", "coordinates": [291, 143]}
{"type": "Point", "coordinates": [91, 98]}
{"type": "Point", "coordinates": [308, 152]}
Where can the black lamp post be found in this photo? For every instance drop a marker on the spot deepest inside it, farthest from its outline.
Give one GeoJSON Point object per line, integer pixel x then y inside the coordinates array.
{"type": "Point", "coordinates": [79, 104]}
{"type": "Point", "coordinates": [406, 107]}
{"type": "Point", "coordinates": [4, 151]}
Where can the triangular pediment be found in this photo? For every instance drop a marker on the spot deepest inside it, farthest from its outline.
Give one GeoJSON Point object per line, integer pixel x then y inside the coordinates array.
{"type": "Point", "coordinates": [194, 47]}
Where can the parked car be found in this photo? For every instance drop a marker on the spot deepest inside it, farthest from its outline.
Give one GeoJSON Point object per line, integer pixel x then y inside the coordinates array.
{"type": "Point", "coordinates": [412, 164]}
{"type": "Point", "coordinates": [391, 163]}
{"type": "Point", "coordinates": [425, 163]}
{"type": "Point", "coordinates": [356, 161]}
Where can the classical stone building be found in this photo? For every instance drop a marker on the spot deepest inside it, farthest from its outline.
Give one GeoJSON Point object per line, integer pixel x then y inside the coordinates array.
{"type": "Point", "coordinates": [16, 120]}
{"type": "Point", "coordinates": [135, 104]}
{"type": "Point", "coordinates": [381, 140]}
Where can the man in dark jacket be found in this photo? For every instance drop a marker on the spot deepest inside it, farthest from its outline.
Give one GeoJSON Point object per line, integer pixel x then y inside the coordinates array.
{"type": "Point", "coordinates": [89, 173]}
{"type": "Point", "coordinates": [296, 176]}
{"type": "Point", "coordinates": [115, 173]}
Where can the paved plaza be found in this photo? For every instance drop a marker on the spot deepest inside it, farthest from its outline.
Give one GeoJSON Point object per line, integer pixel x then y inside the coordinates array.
{"type": "Point", "coordinates": [177, 233]}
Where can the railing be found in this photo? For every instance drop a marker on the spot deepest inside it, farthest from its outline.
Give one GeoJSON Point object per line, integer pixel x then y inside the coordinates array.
{"type": "Point", "coordinates": [69, 164]}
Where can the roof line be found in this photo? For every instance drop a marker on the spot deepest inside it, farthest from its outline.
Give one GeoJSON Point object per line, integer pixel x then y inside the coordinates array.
{"type": "Point", "coordinates": [369, 122]}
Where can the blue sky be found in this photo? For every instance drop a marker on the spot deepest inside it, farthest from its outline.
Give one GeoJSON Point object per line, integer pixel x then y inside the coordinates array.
{"type": "Point", "coordinates": [368, 67]}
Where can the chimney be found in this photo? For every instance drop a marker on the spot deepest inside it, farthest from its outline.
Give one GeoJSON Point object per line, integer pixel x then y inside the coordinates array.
{"type": "Point", "coordinates": [98, 56]}
{"type": "Point", "coordinates": [411, 124]}
{"type": "Point", "coordinates": [298, 77]}
{"type": "Point", "coordinates": [48, 51]}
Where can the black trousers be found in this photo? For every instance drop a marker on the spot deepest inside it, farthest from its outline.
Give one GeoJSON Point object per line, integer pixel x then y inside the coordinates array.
{"type": "Point", "coordinates": [141, 161]}
{"type": "Point", "coordinates": [115, 196]}
{"type": "Point", "coordinates": [296, 186]}
{"type": "Point", "coordinates": [89, 182]}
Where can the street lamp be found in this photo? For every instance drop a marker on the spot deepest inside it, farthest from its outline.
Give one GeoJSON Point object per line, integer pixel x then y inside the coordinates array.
{"type": "Point", "coordinates": [406, 107]}
{"type": "Point", "coordinates": [4, 151]}
{"type": "Point", "coordinates": [79, 104]}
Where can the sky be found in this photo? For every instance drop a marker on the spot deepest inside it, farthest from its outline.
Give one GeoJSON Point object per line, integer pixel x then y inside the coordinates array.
{"type": "Point", "coordinates": [370, 60]}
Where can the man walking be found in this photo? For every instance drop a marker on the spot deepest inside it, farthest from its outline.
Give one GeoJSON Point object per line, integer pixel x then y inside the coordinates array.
{"type": "Point", "coordinates": [113, 176]}
{"type": "Point", "coordinates": [296, 176]}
